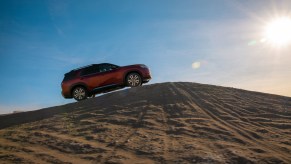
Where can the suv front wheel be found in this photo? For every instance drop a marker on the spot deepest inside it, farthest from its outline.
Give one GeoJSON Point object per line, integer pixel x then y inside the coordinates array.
{"type": "Point", "coordinates": [133, 80]}
{"type": "Point", "coordinates": [80, 93]}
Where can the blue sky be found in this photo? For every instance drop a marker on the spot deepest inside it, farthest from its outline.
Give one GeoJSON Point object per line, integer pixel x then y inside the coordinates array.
{"type": "Point", "coordinates": [40, 40]}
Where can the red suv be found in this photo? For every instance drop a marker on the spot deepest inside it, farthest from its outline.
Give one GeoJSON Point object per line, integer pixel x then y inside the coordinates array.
{"type": "Point", "coordinates": [100, 78]}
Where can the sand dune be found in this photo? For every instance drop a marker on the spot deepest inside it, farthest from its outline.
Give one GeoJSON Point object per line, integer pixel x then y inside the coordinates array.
{"type": "Point", "coordinates": [160, 123]}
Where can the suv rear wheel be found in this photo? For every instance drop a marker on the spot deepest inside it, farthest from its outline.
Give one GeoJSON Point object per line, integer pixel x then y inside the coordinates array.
{"type": "Point", "coordinates": [133, 80]}
{"type": "Point", "coordinates": [80, 93]}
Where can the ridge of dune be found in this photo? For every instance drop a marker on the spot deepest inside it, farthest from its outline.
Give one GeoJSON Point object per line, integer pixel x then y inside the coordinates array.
{"type": "Point", "coordinates": [161, 123]}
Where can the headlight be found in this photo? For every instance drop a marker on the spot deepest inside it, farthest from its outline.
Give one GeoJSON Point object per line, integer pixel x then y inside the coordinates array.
{"type": "Point", "coordinates": [143, 66]}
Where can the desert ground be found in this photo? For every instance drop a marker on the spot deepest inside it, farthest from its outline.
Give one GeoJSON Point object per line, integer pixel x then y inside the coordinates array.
{"type": "Point", "coordinates": [161, 123]}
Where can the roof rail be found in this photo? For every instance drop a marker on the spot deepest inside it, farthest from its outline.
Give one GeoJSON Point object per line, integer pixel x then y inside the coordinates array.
{"type": "Point", "coordinates": [82, 67]}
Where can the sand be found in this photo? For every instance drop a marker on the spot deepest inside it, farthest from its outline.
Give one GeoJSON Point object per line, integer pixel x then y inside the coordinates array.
{"type": "Point", "coordinates": [159, 123]}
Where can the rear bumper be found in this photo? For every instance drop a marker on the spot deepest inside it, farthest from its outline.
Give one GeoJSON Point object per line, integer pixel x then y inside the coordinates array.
{"type": "Point", "coordinates": [66, 96]}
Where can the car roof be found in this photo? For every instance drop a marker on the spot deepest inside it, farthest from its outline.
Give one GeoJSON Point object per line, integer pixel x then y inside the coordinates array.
{"type": "Point", "coordinates": [87, 66]}
{"type": "Point", "coordinates": [82, 67]}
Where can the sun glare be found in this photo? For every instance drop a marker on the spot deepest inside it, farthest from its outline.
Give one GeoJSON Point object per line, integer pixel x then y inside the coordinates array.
{"type": "Point", "coordinates": [278, 31]}
{"type": "Point", "coordinates": [196, 65]}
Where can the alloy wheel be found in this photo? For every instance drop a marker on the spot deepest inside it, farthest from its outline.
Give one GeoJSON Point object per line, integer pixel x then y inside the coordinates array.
{"type": "Point", "coordinates": [79, 93]}
{"type": "Point", "coordinates": [133, 80]}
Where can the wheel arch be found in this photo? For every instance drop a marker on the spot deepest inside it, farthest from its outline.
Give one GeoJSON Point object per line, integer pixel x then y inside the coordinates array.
{"type": "Point", "coordinates": [129, 72]}
{"type": "Point", "coordinates": [78, 85]}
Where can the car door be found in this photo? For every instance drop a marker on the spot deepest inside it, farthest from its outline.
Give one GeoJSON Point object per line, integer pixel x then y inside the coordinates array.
{"type": "Point", "coordinates": [92, 77]}
{"type": "Point", "coordinates": [110, 75]}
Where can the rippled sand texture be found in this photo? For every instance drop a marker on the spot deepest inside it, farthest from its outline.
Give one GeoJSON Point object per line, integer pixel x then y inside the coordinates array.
{"type": "Point", "coordinates": [160, 123]}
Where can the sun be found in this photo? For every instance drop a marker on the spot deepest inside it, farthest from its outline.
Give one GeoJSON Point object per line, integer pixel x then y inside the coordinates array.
{"type": "Point", "coordinates": [278, 32]}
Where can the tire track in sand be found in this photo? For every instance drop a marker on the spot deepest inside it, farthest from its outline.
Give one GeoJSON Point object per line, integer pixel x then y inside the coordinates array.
{"type": "Point", "coordinates": [198, 102]}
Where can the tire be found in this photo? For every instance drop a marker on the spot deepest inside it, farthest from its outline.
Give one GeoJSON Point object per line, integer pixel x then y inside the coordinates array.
{"type": "Point", "coordinates": [133, 80]}
{"type": "Point", "coordinates": [80, 93]}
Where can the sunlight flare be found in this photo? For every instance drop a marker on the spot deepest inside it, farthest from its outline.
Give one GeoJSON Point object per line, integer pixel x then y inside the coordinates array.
{"type": "Point", "coordinates": [196, 65]}
{"type": "Point", "coordinates": [278, 31]}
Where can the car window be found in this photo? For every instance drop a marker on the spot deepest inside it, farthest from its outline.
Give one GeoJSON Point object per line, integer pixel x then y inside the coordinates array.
{"type": "Point", "coordinates": [70, 75]}
{"type": "Point", "coordinates": [113, 66]}
{"type": "Point", "coordinates": [105, 67]}
{"type": "Point", "coordinates": [90, 70]}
